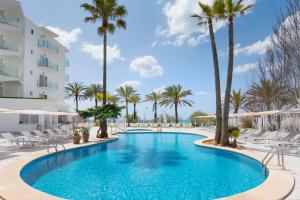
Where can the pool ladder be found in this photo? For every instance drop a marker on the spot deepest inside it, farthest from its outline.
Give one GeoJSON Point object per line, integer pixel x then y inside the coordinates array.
{"type": "Point", "coordinates": [279, 150]}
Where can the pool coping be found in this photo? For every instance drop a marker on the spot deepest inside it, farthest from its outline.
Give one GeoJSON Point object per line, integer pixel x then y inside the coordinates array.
{"type": "Point", "coordinates": [12, 185]}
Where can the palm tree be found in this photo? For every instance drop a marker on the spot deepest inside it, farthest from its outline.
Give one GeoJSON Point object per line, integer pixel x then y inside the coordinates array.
{"type": "Point", "coordinates": [230, 10]}
{"type": "Point", "coordinates": [109, 14]}
{"type": "Point", "coordinates": [175, 96]}
{"type": "Point", "coordinates": [92, 92]}
{"type": "Point", "coordinates": [126, 92]}
{"type": "Point", "coordinates": [135, 99]}
{"type": "Point", "coordinates": [237, 100]}
{"type": "Point", "coordinates": [113, 99]}
{"type": "Point", "coordinates": [209, 14]}
{"type": "Point", "coordinates": [75, 90]}
{"type": "Point", "coordinates": [154, 97]}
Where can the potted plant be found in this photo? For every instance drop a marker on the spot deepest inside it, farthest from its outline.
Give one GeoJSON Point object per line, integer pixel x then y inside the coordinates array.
{"type": "Point", "coordinates": [85, 134]}
{"type": "Point", "coordinates": [76, 136]}
{"type": "Point", "coordinates": [234, 132]}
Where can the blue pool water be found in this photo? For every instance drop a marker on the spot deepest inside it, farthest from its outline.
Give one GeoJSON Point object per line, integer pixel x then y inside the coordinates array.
{"type": "Point", "coordinates": [139, 129]}
{"type": "Point", "coordinates": [165, 166]}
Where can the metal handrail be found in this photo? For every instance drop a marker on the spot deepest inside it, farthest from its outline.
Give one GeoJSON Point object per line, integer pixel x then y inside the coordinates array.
{"type": "Point", "coordinates": [279, 151]}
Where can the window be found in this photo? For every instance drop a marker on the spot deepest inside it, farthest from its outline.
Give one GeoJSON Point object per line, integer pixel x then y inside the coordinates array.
{"type": "Point", "coordinates": [32, 32]}
{"type": "Point", "coordinates": [29, 119]}
{"type": "Point", "coordinates": [31, 72]}
{"type": "Point", "coordinates": [31, 52]}
{"type": "Point", "coordinates": [43, 81]}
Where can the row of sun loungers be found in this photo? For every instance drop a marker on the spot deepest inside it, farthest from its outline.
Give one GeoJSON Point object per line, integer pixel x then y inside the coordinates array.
{"type": "Point", "coordinates": [267, 140]}
{"type": "Point", "coordinates": [11, 142]}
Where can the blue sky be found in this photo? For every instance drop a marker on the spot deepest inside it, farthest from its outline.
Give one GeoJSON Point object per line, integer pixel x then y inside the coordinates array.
{"type": "Point", "coordinates": [161, 46]}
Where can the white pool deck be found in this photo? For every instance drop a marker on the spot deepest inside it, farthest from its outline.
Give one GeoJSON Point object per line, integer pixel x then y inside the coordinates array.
{"type": "Point", "coordinates": [292, 165]}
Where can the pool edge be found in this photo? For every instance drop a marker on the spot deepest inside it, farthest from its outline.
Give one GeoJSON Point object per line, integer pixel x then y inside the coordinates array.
{"type": "Point", "coordinates": [270, 189]}
{"type": "Point", "coordinates": [11, 183]}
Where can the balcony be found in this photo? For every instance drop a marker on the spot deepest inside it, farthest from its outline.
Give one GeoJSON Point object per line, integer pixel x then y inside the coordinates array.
{"type": "Point", "coordinates": [10, 73]}
{"type": "Point", "coordinates": [44, 62]}
{"type": "Point", "coordinates": [67, 78]}
{"type": "Point", "coordinates": [43, 43]}
{"type": "Point", "coordinates": [47, 84]}
{"type": "Point", "coordinates": [8, 46]}
{"type": "Point", "coordinates": [9, 19]}
{"type": "Point", "coordinates": [67, 63]}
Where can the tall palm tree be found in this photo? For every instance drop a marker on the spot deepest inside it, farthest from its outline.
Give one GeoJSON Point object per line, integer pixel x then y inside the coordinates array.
{"type": "Point", "coordinates": [230, 10]}
{"type": "Point", "coordinates": [125, 93]}
{"type": "Point", "coordinates": [175, 96]}
{"type": "Point", "coordinates": [92, 91]}
{"type": "Point", "coordinates": [238, 100]}
{"type": "Point", "coordinates": [154, 97]}
{"type": "Point", "coordinates": [113, 99]}
{"type": "Point", "coordinates": [208, 16]}
{"type": "Point", "coordinates": [75, 90]}
{"type": "Point", "coordinates": [135, 99]}
{"type": "Point", "coordinates": [110, 15]}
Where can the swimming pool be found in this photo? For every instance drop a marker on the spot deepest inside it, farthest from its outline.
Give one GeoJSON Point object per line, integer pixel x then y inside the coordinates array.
{"type": "Point", "coordinates": [142, 166]}
{"type": "Point", "coordinates": [139, 129]}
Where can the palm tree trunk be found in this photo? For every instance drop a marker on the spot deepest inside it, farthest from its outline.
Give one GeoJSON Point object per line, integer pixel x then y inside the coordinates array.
{"type": "Point", "coordinates": [126, 107]}
{"type": "Point", "coordinates": [176, 113]}
{"type": "Point", "coordinates": [217, 83]}
{"type": "Point", "coordinates": [134, 112]}
{"type": "Point", "coordinates": [225, 135]}
{"type": "Point", "coordinates": [96, 105]}
{"type": "Point", "coordinates": [103, 121]}
{"type": "Point", "coordinates": [155, 112]}
{"type": "Point", "coordinates": [76, 102]}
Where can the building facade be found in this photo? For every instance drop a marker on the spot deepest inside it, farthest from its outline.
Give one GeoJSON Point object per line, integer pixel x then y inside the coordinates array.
{"type": "Point", "coordinates": [32, 63]}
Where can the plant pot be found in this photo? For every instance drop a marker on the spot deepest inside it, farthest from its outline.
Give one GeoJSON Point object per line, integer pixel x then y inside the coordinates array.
{"type": "Point", "coordinates": [76, 139]}
{"type": "Point", "coordinates": [85, 138]}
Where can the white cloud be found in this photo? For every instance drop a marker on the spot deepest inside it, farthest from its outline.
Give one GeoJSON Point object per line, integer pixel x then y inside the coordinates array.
{"type": "Point", "coordinates": [96, 52]}
{"type": "Point", "coordinates": [241, 69]}
{"type": "Point", "coordinates": [201, 93]}
{"type": "Point", "coordinates": [66, 38]}
{"type": "Point", "coordinates": [133, 84]}
{"type": "Point", "coordinates": [181, 27]}
{"type": "Point", "coordinates": [153, 44]}
{"type": "Point", "coordinates": [259, 47]}
{"type": "Point", "coordinates": [147, 67]}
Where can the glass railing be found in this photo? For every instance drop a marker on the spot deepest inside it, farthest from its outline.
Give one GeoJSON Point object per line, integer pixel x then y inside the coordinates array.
{"type": "Point", "coordinates": [48, 84]}
{"type": "Point", "coordinates": [67, 63]}
{"type": "Point", "coordinates": [44, 62]}
{"type": "Point", "coordinates": [67, 78]}
{"type": "Point", "coordinates": [9, 19]}
{"type": "Point", "coordinates": [10, 71]}
{"type": "Point", "coordinates": [46, 44]}
{"type": "Point", "coordinates": [5, 45]}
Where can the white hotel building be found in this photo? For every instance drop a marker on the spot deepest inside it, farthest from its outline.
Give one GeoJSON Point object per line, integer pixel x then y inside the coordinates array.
{"type": "Point", "coordinates": [32, 69]}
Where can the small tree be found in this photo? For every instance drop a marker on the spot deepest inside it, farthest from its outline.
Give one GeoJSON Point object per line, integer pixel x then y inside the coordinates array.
{"type": "Point", "coordinates": [102, 113]}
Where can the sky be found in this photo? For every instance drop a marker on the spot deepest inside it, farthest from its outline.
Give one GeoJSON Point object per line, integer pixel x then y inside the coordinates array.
{"type": "Point", "coordinates": [161, 46]}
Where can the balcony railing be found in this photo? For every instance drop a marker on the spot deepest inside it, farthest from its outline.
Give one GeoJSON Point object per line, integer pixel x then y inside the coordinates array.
{"type": "Point", "coordinates": [46, 44]}
{"type": "Point", "coordinates": [67, 78]}
{"type": "Point", "coordinates": [9, 19]}
{"type": "Point", "coordinates": [67, 63]}
{"type": "Point", "coordinates": [10, 71]}
{"type": "Point", "coordinates": [5, 45]}
{"type": "Point", "coordinates": [44, 62]}
{"type": "Point", "coordinates": [47, 84]}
